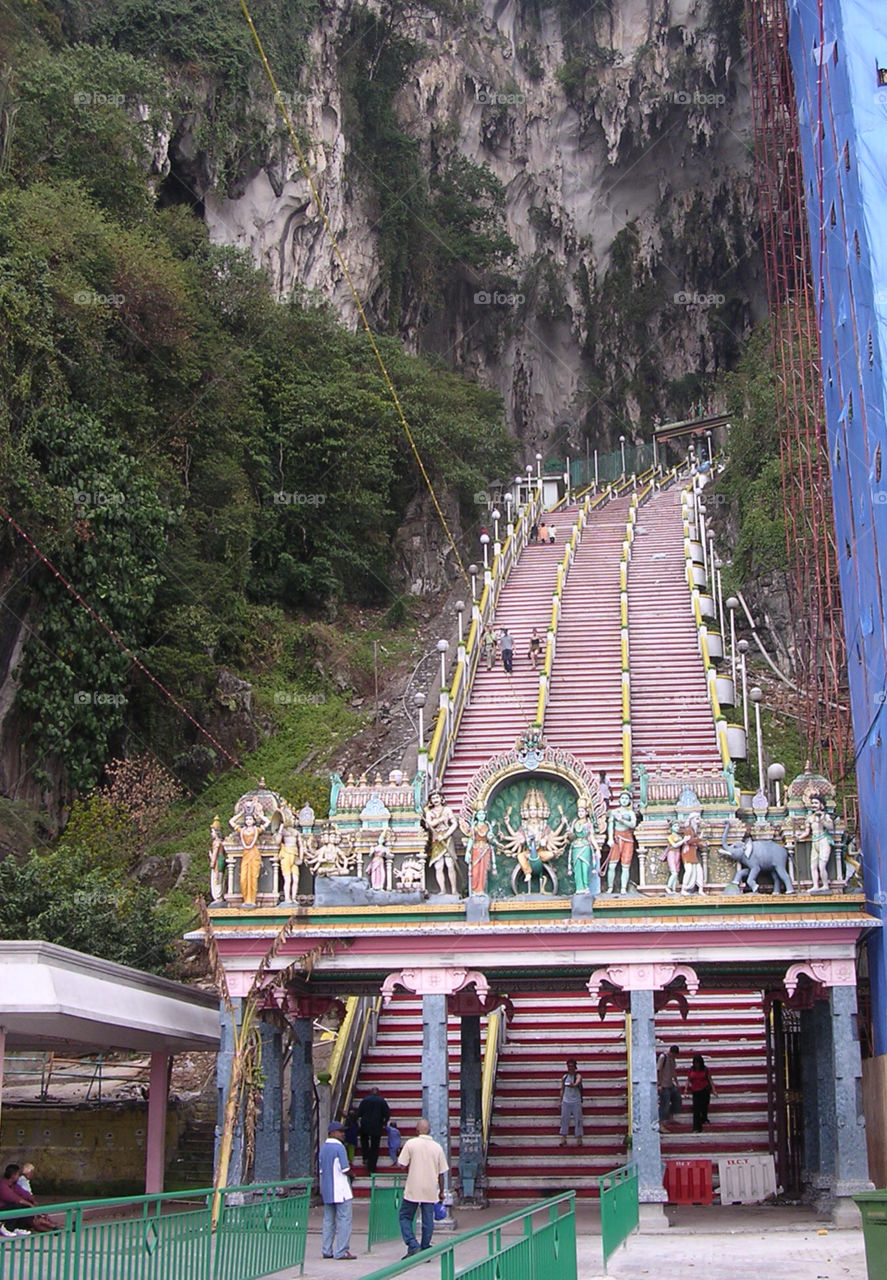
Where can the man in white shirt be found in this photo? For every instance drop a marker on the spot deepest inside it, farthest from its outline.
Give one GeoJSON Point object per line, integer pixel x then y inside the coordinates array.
{"type": "Point", "coordinates": [427, 1165]}
{"type": "Point", "coordinates": [336, 1193]}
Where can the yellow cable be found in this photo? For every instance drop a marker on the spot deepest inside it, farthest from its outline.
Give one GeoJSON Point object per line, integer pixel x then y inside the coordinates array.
{"type": "Point", "coordinates": [366, 324]}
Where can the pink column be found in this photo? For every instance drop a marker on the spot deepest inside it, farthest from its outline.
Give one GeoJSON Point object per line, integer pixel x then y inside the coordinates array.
{"type": "Point", "coordinates": [2, 1057]}
{"type": "Point", "coordinates": [158, 1093]}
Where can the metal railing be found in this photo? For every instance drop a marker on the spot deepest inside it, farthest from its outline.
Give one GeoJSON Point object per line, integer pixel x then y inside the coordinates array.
{"type": "Point", "coordinates": [93, 1071]}
{"type": "Point", "coordinates": [619, 1207]}
{"type": "Point", "coordinates": [538, 1250]}
{"type": "Point", "coordinates": [454, 699]}
{"type": "Point", "coordinates": [386, 1194]}
{"type": "Point", "coordinates": [262, 1229]}
{"type": "Point", "coordinates": [356, 1034]}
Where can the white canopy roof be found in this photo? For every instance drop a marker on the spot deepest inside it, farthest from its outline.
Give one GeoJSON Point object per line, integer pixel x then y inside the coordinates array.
{"type": "Point", "coordinates": [53, 998]}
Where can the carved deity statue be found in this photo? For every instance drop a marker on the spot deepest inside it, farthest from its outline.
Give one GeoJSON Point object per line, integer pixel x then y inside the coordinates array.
{"type": "Point", "coordinates": [819, 829]}
{"type": "Point", "coordinates": [410, 874]}
{"type": "Point", "coordinates": [292, 851]}
{"type": "Point", "coordinates": [249, 833]}
{"type": "Point", "coordinates": [378, 860]}
{"type": "Point", "coordinates": [672, 855]}
{"type": "Point", "coordinates": [330, 858]}
{"type": "Point", "coordinates": [480, 852]}
{"type": "Point", "coordinates": [439, 820]}
{"type": "Point", "coordinates": [584, 861]}
{"type": "Point", "coordinates": [216, 862]}
{"type": "Point", "coordinates": [621, 823]}
{"type": "Point", "coordinates": [534, 843]}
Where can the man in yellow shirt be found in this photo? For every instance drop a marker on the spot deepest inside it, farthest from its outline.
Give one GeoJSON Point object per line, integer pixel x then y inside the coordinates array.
{"type": "Point", "coordinates": [427, 1165]}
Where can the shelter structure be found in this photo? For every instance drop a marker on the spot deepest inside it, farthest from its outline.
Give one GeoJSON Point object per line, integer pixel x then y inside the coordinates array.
{"type": "Point", "coordinates": [55, 998]}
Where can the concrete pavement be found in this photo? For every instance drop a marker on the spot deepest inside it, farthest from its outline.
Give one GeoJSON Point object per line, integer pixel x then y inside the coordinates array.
{"type": "Point", "coordinates": [714, 1242]}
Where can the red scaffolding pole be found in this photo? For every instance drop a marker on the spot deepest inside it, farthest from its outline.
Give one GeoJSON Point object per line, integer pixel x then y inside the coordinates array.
{"type": "Point", "coordinates": [814, 589]}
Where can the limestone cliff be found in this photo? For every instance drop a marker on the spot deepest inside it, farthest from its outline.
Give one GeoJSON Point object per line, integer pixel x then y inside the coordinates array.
{"type": "Point", "coordinates": [621, 136]}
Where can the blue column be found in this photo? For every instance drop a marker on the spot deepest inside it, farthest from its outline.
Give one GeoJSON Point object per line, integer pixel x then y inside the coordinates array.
{"type": "Point", "coordinates": [268, 1162]}
{"type": "Point", "coordinates": [850, 1157]}
{"type": "Point", "coordinates": [301, 1154]}
{"type": "Point", "coordinates": [435, 1069]}
{"type": "Point", "coordinates": [223, 1080]}
{"type": "Point", "coordinates": [645, 1147]}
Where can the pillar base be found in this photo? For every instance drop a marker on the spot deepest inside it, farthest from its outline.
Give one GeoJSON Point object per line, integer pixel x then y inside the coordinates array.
{"type": "Point", "coordinates": [652, 1219]}
{"type": "Point", "coordinates": [845, 1214]}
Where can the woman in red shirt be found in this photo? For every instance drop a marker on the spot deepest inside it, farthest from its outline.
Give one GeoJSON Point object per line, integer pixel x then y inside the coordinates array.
{"type": "Point", "coordinates": [700, 1087]}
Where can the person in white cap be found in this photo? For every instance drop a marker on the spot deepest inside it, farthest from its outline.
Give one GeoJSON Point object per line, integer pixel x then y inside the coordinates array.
{"type": "Point", "coordinates": [336, 1193]}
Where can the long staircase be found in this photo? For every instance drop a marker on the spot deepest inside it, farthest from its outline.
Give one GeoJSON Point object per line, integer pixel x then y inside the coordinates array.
{"type": "Point", "coordinates": [524, 1155]}
{"type": "Point", "coordinates": [502, 706]}
{"type": "Point", "coordinates": [671, 725]}
{"type": "Point", "coordinates": [585, 702]}
{"type": "Point", "coordinates": [671, 717]}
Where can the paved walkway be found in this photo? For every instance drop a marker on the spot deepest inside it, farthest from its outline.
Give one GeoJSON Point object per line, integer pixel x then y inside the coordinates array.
{"type": "Point", "coordinates": [748, 1242]}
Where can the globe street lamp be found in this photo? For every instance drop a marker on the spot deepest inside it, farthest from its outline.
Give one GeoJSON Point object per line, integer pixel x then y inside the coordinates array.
{"type": "Point", "coordinates": [497, 516]}
{"type": "Point", "coordinates": [743, 650]}
{"type": "Point", "coordinates": [622, 451]}
{"type": "Point", "coordinates": [442, 647]}
{"type": "Point", "coordinates": [539, 469]}
{"type": "Point", "coordinates": [775, 774]}
{"type": "Point", "coordinates": [474, 570]}
{"type": "Point", "coordinates": [509, 502]}
{"type": "Point", "coordinates": [419, 701]}
{"type": "Point", "coordinates": [701, 508]}
{"type": "Point", "coordinates": [708, 442]}
{"type": "Point", "coordinates": [485, 542]}
{"type": "Point", "coordinates": [732, 606]}
{"type": "Point", "coordinates": [718, 566]}
{"type": "Point", "coordinates": [460, 609]}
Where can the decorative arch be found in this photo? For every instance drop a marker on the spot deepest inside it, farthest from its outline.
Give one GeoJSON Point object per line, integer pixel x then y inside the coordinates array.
{"type": "Point", "coordinates": [435, 982]}
{"type": "Point", "coordinates": [642, 977]}
{"type": "Point", "coordinates": [829, 973]}
{"type": "Point", "coordinates": [534, 761]}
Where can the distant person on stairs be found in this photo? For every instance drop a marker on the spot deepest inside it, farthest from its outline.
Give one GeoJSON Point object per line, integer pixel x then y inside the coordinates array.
{"type": "Point", "coordinates": [571, 1103]}
{"type": "Point", "coordinates": [700, 1087]}
{"type": "Point", "coordinates": [666, 1080]}
{"type": "Point", "coordinates": [372, 1116]}
{"type": "Point", "coordinates": [489, 647]}
{"type": "Point", "coordinates": [543, 533]}
{"type": "Point", "coordinates": [552, 534]}
{"type": "Point", "coordinates": [534, 653]}
{"type": "Point", "coordinates": [506, 644]}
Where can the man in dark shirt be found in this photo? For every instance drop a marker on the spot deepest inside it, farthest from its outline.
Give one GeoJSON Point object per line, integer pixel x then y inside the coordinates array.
{"type": "Point", "coordinates": [372, 1116]}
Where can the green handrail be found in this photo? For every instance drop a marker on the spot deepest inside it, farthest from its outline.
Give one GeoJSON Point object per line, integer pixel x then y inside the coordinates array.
{"type": "Point", "coordinates": [620, 1213]}
{"type": "Point", "coordinates": [546, 1251]}
{"type": "Point", "coordinates": [262, 1229]}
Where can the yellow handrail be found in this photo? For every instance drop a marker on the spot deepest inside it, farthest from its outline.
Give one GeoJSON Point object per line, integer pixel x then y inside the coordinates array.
{"type": "Point", "coordinates": [488, 1079]}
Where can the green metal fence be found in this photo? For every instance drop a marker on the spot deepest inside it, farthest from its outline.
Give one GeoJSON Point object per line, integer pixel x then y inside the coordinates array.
{"type": "Point", "coordinates": [619, 1207]}
{"type": "Point", "coordinates": [537, 1243]}
{"type": "Point", "coordinates": [386, 1194]}
{"type": "Point", "coordinates": [262, 1229]}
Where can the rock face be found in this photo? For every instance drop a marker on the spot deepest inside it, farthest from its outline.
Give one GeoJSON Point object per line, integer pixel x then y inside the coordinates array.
{"type": "Point", "coordinates": [622, 138]}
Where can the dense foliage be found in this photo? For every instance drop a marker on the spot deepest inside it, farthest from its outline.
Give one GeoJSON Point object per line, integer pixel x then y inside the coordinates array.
{"type": "Point", "coordinates": [191, 454]}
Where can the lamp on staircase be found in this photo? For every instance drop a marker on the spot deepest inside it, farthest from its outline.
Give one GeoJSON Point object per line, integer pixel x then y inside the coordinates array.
{"type": "Point", "coordinates": [732, 606]}
{"type": "Point", "coordinates": [509, 501]}
{"type": "Point", "coordinates": [442, 647]}
{"type": "Point", "coordinates": [539, 470]}
{"type": "Point", "coordinates": [485, 542]}
{"type": "Point", "coordinates": [474, 571]}
{"type": "Point", "coordinates": [497, 516]}
{"type": "Point", "coordinates": [757, 695]}
{"type": "Point", "coordinates": [622, 451]}
{"type": "Point", "coordinates": [743, 650]}
{"type": "Point", "coordinates": [460, 609]}
{"type": "Point", "coordinates": [775, 774]}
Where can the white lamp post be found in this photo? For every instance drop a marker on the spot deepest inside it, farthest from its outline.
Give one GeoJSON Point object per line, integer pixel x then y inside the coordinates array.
{"type": "Point", "coordinates": [775, 774]}
{"type": "Point", "coordinates": [743, 650]}
{"type": "Point", "coordinates": [732, 606]}
{"type": "Point", "coordinates": [419, 703]}
{"type": "Point", "coordinates": [622, 451]}
{"type": "Point", "coordinates": [756, 695]}
{"type": "Point", "coordinates": [460, 609]}
{"type": "Point", "coordinates": [474, 570]}
{"type": "Point", "coordinates": [701, 508]}
{"type": "Point", "coordinates": [539, 470]}
{"type": "Point", "coordinates": [442, 647]}
{"type": "Point", "coordinates": [718, 564]}
{"type": "Point", "coordinates": [509, 502]}
{"type": "Point", "coordinates": [708, 442]}
{"type": "Point", "coordinates": [485, 542]}
{"type": "Point", "coordinates": [497, 516]}
{"type": "Point", "coordinates": [595, 470]}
